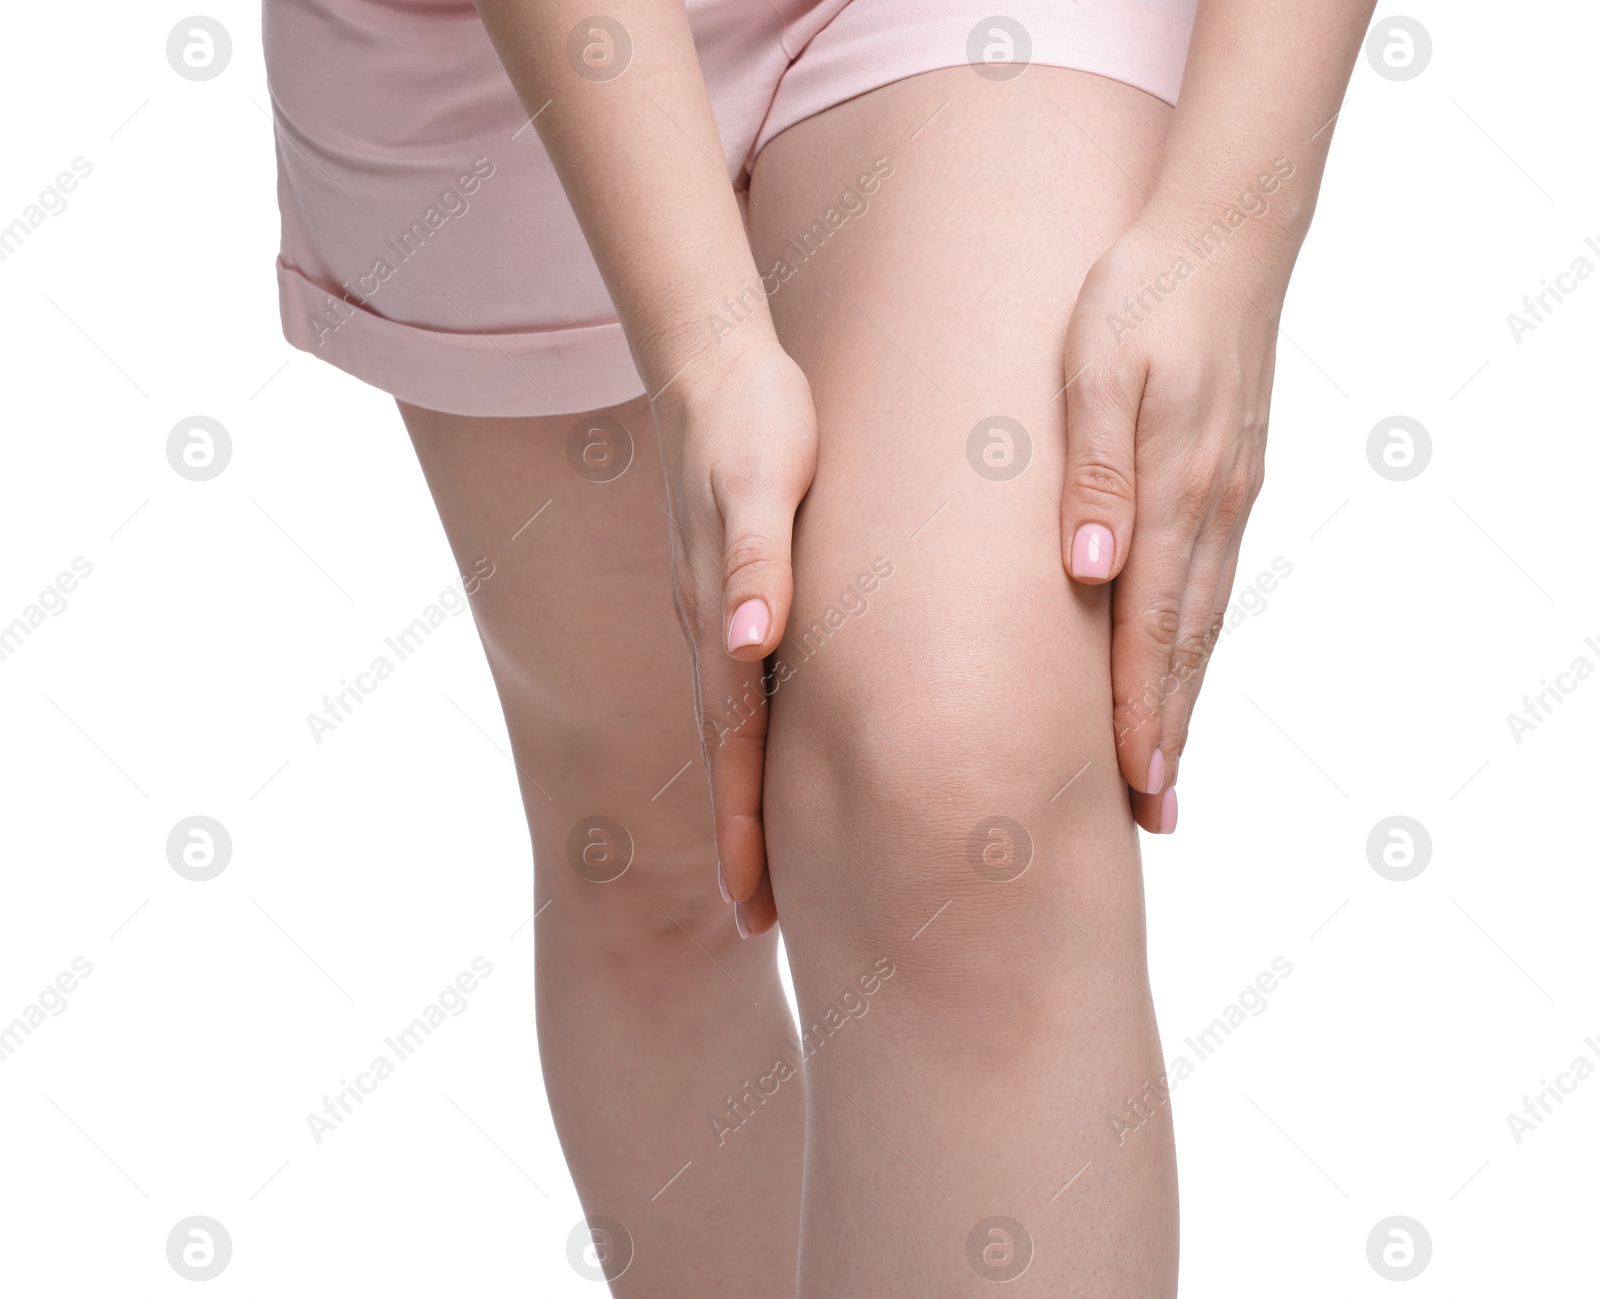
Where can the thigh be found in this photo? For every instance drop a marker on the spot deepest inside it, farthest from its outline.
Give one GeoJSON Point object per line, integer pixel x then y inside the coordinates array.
{"type": "Point", "coordinates": [566, 515]}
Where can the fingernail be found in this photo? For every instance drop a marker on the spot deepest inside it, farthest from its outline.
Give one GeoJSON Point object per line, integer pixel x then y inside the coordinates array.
{"type": "Point", "coordinates": [1158, 773]}
{"type": "Point", "coordinates": [722, 885]}
{"type": "Point", "coordinates": [1169, 810]}
{"type": "Point", "coordinates": [1092, 545]}
{"type": "Point", "coordinates": [749, 626]}
{"type": "Point", "coordinates": [738, 920]}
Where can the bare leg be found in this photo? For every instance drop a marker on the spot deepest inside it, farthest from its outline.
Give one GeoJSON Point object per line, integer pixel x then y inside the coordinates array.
{"type": "Point", "coordinates": [958, 729]}
{"type": "Point", "coordinates": [652, 1012]}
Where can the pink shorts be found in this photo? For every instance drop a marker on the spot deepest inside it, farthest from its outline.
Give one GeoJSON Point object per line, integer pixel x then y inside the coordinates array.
{"type": "Point", "coordinates": [427, 245]}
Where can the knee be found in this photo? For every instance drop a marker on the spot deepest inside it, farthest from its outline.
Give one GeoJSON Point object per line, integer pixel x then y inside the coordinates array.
{"type": "Point", "coordinates": [908, 727]}
{"type": "Point", "coordinates": [624, 857]}
{"type": "Point", "coordinates": [959, 812]}
{"type": "Point", "coordinates": [628, 887]}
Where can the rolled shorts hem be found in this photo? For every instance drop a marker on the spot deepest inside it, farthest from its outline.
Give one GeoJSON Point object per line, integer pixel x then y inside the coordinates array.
{"type": "Point", "coordinates": [539, 372]}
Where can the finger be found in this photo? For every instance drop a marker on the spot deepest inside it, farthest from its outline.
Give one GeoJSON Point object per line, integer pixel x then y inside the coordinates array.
{"type": "Point", "coordinates": [1145, 607]}
{"type": "Point", "coordinates": [729, 703]}
{"type": "Point", "coordinates": [1157, 813]}
{"type": "Point", "coordinates": [1210, 583]}
{"type": "Point", "coordinates": [1097, 497]}
{"type": "Point", "coordinates": [757, 913]}
{"type": "Point", "coordinates": [756, 595]}
{"type": "Point", "coordinates": [758, 585]}
{"type": "Point", "coordinates": [732, 703]}
{"type": "Point", "coordinates": [1200, 625]}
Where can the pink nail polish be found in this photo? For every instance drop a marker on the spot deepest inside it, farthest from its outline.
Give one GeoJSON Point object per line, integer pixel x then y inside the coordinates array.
{"type": "Point", "coordinates": [722, 885]}
{"type": "Point", "coordinates": [1169, 810]}
{"type": "Point", "coordinates": [1158, 773]}
{"type": "Point", "coordinates": [1092, 547]}
{"type": "Point", "coordinates": [751, 620]}
{"type": "Point", "coordinates": [738, 920]}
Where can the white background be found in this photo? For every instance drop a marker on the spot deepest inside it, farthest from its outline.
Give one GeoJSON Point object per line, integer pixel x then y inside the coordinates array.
{"type": "Point", "coordinates": [369, 871]}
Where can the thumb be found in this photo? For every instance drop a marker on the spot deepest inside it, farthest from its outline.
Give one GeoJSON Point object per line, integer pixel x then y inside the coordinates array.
{"type": "Point", "coordinates": [759, 585]}
{"type": "Point", "coordinates": [1097, 499]}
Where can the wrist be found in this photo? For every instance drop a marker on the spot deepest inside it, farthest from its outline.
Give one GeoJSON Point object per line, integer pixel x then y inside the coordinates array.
{"type": "Point", "coordinates": [1252, 232]}
{"type": "Point", "coordinates": [692, 345]}
{"type": "Point", "coordinates": [1269, 202]}
{"type": "Point", "coordinates": [700, 377]}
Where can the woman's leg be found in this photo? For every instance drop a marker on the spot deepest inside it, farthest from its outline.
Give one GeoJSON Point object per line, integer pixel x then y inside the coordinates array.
{"type": "Point", "coordinates": [949, 838]}
{"type": "Point", "coordinates": [660, 1031]}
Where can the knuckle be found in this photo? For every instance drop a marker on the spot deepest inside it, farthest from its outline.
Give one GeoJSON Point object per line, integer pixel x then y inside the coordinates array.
{"type": "Point", "coordinates": [1190, 650]}
{"type": "Point", "coordinates": [1158, 624]}
{"type": "Point", "coordinates": [1098, 480]}
{"type": "Point", "coordinates": [1099, 385]}
{"type": "Point", "coordinates": [1234, 496]}
{"type": "Point", "coordinates": [745, 555]}
{"type": "Point", "coordinates": [1193, 502]}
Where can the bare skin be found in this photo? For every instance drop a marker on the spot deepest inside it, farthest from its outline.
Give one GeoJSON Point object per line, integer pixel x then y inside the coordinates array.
{"type": "Point", "coordinates": [651, 1010]}
{"type": "Point", "coordinates": [996, 1076]}
{"type": "Point", "coordinates": [1166, 435]}
{"type": "Point", "coordinates": [937, 796]}
{"type": "Point", "coordinates": [974, 687]}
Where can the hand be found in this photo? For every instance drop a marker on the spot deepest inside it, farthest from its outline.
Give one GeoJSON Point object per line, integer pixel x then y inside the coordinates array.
{"type": "Point", "coordinates": [1167, 403]}
{"type": "Point", "coordinates": [739, 442]}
